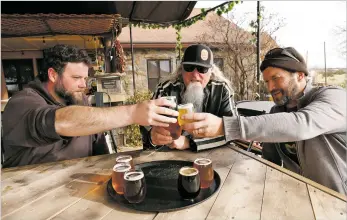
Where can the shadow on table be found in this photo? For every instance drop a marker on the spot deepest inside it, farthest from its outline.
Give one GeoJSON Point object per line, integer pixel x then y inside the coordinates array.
{"type": "Point", "coordinates": [95, 188]}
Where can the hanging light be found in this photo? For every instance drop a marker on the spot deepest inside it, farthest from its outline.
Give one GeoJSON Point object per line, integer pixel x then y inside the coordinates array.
{"type": "Point", "coordinates": [43, 41]}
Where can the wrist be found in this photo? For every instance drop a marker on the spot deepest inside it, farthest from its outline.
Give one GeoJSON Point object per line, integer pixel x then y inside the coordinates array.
{"type": "Point", "coordinates": [221, 128]}
{"type": "Point", "coordinates": [150, 137]}
{"type": "Point", "coordinates": [132, 114]}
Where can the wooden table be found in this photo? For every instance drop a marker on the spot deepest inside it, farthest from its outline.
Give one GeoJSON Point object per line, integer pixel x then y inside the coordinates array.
{"type": "Point", "coordinates": [252, 188]}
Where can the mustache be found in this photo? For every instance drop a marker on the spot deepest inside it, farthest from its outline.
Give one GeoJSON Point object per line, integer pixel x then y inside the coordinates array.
{"type": "Point", "coordinates": [276, 91]}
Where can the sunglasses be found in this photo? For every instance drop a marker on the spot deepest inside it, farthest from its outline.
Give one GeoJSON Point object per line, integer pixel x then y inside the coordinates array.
{"type": "Point", "coordinates": [281, 51]}
{"type": "Point", "coordinates": [191, 68]}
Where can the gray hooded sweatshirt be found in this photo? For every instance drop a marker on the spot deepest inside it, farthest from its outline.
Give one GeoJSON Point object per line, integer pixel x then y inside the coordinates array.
{"type": "Point", "coordinates": [318, 128]}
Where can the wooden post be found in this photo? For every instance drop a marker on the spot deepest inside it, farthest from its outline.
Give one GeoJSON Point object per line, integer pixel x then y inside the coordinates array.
{"type": "Point", "coordinates": [4, 93]}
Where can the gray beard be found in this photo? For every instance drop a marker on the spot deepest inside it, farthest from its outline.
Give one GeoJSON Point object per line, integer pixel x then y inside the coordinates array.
{"type": "Point", "coordinates": [194, 94]}
{"type": "Point", "coordinates": [291, 94]}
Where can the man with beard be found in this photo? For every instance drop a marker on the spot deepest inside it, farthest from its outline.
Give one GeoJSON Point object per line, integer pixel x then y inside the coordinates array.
{"type": "Point", "coordinates": [51, 120]}
{"type": "Point", "coordinates": [198, 81]}
{"type": "Point", "coordinates": [306, 130]}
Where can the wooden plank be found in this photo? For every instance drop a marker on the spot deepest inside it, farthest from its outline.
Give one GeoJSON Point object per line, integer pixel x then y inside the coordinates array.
{"type": "Point", "coordinates": [326, 206]}
{"type": "Point", "coordinates": [20, 192]}
{"type": "Point", "coordinates": [97, 204]}
{"type": "Point", "coordinates": [199, 211]}
{"type": "Point", "coordinates": [285, 198]}
{"type": "Point", "coordinates": [13, 171]}
{"type": "Point", "coordinates": [292, 174]}
{"type": "Point", "coordinates": [223, 157]}
{"type": "Point", "coordinates": [54, 201]}
{"type": "Point", "coordinates": [99, 200]}
{"type": "Point", "coordinates": [242, 192]}
{"type": "Point", "coordinates": [89, 177]}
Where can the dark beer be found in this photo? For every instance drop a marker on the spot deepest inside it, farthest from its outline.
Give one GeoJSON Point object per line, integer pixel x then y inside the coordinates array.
{"type": "Point", "coordinates": [188, 182]}
{"type": "Point", "coordinates": [125, 159]}
{"type": "Point", "coordinates": [174, 128]}
{"type": "Point", "coordinates": [118, 176]}
{"type": "Point", "coordinates": [205, 168]}
{"type": "Point", "coordinates": [134, 186]}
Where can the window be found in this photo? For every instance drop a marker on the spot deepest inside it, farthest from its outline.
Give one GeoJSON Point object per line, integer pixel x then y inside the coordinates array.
{"type": "Point", "coordinates": [219, 63]}
{"type": "Point", "coordinates": [156, 70]}
{"type": "Point", "coordinates": [18, 73]}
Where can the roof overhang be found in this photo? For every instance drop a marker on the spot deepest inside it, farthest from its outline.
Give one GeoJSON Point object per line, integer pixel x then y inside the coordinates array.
{"type": "Point", "coordinates": [34, 18]}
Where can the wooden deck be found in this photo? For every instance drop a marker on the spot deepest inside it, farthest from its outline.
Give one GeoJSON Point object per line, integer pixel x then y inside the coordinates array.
{"type": "Point", "coordinates": [252, 188]}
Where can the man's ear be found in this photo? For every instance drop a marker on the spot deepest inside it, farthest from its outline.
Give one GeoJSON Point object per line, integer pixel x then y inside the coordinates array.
{"type": "Point", "coordinates": [52, 75]}
{"type": "Point", "coordinates": [301, 76]}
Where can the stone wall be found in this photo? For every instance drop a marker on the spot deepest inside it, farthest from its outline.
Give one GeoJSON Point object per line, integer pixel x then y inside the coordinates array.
{"type": "Point", "coordinates": [140, 65]}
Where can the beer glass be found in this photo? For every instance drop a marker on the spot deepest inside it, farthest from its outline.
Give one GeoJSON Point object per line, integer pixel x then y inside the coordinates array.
{"type": "Point", "coordinates": [205, 168]}
{"type": "Point", "coordinates": [118, 176]}
{"type": "Point", "coordinates": [134, 186]}
{"type": "Point", "coordinates": [184, 109]}
{"type": "Point", "coordinates": [125, 159]}
{"type": "Point", "coordinates": [174, 128]}
{"type": "Point", "coordinates": [188, 183]}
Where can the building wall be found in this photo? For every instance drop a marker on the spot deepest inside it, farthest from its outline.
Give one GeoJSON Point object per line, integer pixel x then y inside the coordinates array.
{"type": "Point", "coordinates": [140, 65]}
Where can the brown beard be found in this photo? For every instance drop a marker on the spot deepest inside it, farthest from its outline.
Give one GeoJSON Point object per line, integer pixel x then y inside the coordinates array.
{"type": "Point", "coordinates": [292, 93]}
{"type": "Point", "coordinates": [75, 98]}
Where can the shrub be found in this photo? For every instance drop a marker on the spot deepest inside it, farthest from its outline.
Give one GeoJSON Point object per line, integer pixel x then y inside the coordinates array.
{"type": "Point", "coordinates": [132, 132]}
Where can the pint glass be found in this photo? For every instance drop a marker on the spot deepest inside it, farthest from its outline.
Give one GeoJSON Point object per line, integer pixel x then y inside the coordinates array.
{"type": "Point", "coordinates": [118, 176]}
{"type": "Point", "coordinates": [184, 109]}
{"type": "Point", "coordinates": [174, 128]}
{"type": "Point", "coordinates": [134, 186]}
{"type": "Point", "coordinates": [125, 159]}
{"type": "Point", "coordinates": [205, 168]}
{"type": "Point", "coordinates": [188, 183]}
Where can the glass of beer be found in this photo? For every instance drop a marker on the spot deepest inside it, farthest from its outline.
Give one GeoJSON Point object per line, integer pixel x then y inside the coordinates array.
{"type": "Point", "coordinates": [188, 183]}
{"type": "Point", "coordinates": [134, 186]}
{"type": "Point", "coordinates": [174, 128]}
{"type": "Point", "coordinates": [205, 168]}
{"type": "Point", "coordinates": [118, 176]}
{"type": "Point", "coordinates": [125, 159]}
{"type": "Point", "coordinates": [184, 109]}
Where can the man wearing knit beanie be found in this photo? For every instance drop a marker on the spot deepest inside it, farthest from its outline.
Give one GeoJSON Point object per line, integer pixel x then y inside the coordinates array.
{"type": "Point", "coordinates": [285, 73]}
{"type": "Point", "coordinates": [306, 129]}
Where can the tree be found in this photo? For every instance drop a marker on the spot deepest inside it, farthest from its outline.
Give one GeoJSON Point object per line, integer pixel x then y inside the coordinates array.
{"type": "Point", "coordinates": [340, 33]}
{"type": "Point", "coordinates": [239, 47]}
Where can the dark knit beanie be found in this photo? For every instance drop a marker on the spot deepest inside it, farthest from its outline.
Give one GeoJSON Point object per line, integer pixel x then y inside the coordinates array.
{"type": "Point", "coordinates": [285, 58]}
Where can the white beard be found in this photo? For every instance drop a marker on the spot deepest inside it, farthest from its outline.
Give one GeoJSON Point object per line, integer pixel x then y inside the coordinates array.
{"type": "Point", "coordinates": [194, 94]}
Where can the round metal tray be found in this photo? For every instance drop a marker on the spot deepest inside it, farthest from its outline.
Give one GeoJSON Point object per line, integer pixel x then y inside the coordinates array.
{"type": "Point", "coordinates": [162, 195]}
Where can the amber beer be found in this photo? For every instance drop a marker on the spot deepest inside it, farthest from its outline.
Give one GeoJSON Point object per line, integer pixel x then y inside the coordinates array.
{"type": "Point", "coordinates": [118, 176]}
{"type": "Point", "coordinates": [134, 186]}
{"type": "Point", "coordinates": [125, 159]}
{"type": "Point", "coordinates": [184, 109]}
{"type": "Point", "coordinates": [205, 168]}
{"type": "Point", "coordinates": [174, 128]}
{"type": "Point", "coordinates": [188, 183]}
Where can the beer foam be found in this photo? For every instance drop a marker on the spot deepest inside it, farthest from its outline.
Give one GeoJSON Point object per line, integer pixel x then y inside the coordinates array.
{"type": "Point", "coordinates": [123, 159]}
{"type": "Point", "coordinates": [121, 167]}
{"type": "Point", "coordinates": [188, 171]}
{"type": "Point", "coordinates": [203, 161]}
{"type": "Point", "coordinates": [186, 106]}
{"type": "Point", "coordinates": [133, 176]}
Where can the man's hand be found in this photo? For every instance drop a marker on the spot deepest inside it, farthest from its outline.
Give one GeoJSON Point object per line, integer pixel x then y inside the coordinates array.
{"type": "Point", "coordinates": [152, 113]}
{"type": "Point", "coordinates": [181, 143]}
{"type": "Point", "coordinates": [204, 125]}
{"type": "Point", "coordinates": [160, 136]}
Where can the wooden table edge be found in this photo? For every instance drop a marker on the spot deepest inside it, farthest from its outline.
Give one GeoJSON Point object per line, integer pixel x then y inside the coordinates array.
{"type": "Point", "coordinates": [97, 157]}
{"type": "Point", "coordinates": [292, 174]}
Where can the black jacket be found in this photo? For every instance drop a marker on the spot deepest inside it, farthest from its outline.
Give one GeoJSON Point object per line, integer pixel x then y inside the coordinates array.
{"type": "Point", "coordinates": [218, 100]}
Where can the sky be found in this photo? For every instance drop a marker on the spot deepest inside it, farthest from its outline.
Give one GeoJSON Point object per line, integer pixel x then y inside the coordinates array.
{"type": "Point", "coordinates": [307, 25]}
